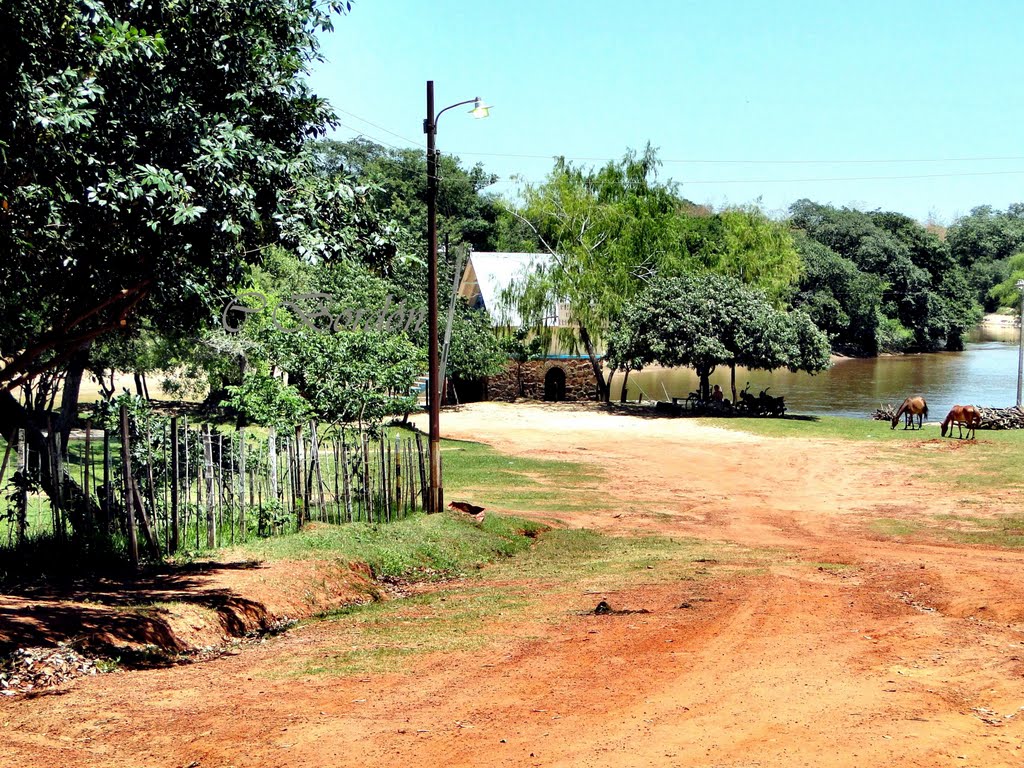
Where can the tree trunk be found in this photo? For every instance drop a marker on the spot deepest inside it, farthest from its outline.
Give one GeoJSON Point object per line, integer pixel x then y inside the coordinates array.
{"type": "Point", "coordinates": [625, 384]}
{"type": "Point", "coordinates": [704, 372]}
{"type": "Point", "coordinates": [138, 385]}
{"type": "Point", "coordinates": [732, 380]}
{"type": "Point", "coordinates": [69, 398]}
{"type": "Point", "coordinates": [603, 390]}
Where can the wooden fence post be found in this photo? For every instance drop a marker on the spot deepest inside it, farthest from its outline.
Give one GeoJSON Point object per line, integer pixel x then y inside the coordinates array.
{"type": "Point", "coordinates": [241, 483]}
{"type": "Point", "coordinates": [126, 469]}
{"type": "Point", "coordinates": [300, 487]}
{"type": "Point", "coordinates": [21, 502]}
{"type": "Point", "coordinates": [211, 520]}
{"type": "Point", "coordinates": [174, 485]}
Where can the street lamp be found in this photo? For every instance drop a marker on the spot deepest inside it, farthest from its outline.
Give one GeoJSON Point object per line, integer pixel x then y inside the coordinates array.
{"type": "Point", "coordinates": [435, 498]}
{"type": "Point", "coordinates": [1020, 350]}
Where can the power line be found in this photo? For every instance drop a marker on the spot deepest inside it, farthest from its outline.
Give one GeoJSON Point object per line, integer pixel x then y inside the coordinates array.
{"type": "Point", "coordinates": [956, 174]}
{"type": "Point", "coordinates": [379, 127]}
{"type": "Point", "coordinates": [813, 179]}
{"type": "Point", "coordinates": [706, 161]}
{"type": "Point", "coordinates": [359, 132]}
{"type": "Point", "coordinates": [695, 161]}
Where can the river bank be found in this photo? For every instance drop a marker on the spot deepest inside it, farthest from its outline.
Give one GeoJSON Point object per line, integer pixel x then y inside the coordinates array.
{"type": "Point", "coordinates": [1000, 320]}
{"type": "Point", "coordinates": [984, 374]}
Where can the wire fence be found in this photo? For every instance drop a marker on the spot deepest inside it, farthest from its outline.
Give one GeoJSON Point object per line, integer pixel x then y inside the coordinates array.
{"type": "Point", "coordinates": [167, 484]}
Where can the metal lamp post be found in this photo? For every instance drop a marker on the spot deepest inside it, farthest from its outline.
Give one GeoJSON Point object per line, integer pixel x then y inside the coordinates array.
{"type": "Point", "coordinates": [435, 499]}
{"type": "Point", "coordinates": [1020, 350]}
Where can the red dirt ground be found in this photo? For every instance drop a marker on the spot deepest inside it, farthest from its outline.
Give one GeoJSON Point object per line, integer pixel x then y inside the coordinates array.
{"type": "Point", "coordinates": [913, 656]}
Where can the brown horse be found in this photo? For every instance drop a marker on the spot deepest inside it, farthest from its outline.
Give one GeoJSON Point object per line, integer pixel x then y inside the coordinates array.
{"type": "Point", "coordinates": [963, 416]}
{"type": "Point", "coordinates": [911, 407]}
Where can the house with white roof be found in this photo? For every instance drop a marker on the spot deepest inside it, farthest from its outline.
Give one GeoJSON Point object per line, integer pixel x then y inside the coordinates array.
{"type": "Point", "coordinates": [561, 375]}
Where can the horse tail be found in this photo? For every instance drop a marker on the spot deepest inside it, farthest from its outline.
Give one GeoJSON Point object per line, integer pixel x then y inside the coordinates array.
{"type": "Point", "coordinates": [925, 411]}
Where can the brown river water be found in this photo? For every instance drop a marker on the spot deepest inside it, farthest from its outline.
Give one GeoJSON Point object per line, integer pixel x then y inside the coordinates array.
{"type": "Point", "coordinates": [985, 374]}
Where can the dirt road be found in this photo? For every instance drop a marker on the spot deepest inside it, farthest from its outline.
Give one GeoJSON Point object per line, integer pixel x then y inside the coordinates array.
{"type": "Point", "coordinates": [910, 655]}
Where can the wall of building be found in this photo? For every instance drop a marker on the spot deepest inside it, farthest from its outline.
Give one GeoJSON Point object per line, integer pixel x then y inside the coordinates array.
{"type": "Point", "coordinates": [579, 380]}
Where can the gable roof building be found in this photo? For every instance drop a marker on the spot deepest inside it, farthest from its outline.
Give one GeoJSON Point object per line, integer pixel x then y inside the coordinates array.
{"type": "Point", "coordinates": [488, 275]}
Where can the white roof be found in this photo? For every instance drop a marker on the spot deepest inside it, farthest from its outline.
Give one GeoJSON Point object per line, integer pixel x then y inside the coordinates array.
{"type": "Point", "coordinates": [487, 275]}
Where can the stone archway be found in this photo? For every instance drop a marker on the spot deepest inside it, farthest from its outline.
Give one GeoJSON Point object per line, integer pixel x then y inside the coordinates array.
{"type": "Point", "coordinates": [554, 385]}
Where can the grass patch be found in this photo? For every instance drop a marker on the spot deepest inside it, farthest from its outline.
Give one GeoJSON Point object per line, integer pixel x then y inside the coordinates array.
{"type": "Point", "coordinates": [421, 546]}
{"type": "Point", "coordinates": [892, 527]}
{"type": "Point", "coordinates": [1005, 531]}
{"type": "Point", "coordinates": [378, 637]}
{"type": "Point", "coordinates": [480, 474]}
{"type": "Point", "coordinates": [826, 427]}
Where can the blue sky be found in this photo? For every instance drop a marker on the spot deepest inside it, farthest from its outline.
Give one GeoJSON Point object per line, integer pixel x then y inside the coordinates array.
{"type": "Point", "coordinates": [809, 90]}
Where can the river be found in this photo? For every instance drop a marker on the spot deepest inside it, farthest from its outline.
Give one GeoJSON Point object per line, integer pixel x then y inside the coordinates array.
{"type": "Point", "coordinates": [985, 373]}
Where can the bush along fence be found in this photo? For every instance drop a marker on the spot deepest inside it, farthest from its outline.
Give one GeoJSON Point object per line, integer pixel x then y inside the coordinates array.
{"type": "Point", "coordinates": [165, 484]}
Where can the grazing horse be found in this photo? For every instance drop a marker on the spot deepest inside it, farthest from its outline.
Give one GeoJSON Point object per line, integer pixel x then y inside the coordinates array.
{"type": "Point", "coordinates": [911, 407]}
{"type": "Point", "coordinates": [963, 416]}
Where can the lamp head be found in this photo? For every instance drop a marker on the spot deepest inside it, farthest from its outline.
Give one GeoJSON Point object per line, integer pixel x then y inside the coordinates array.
{"type": "Point", "coordinates": [480, 109]}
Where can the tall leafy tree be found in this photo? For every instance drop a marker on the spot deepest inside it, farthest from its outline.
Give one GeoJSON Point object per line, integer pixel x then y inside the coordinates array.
{"type": "Point", "coordinates": [744, 243]}
{"type": "Point", "coordinates": [703, 321]}
{"type": "Point", "coordinates": [842, 301]}
{"type": "Point", "coordinates": [606, 232]}
{"type": "Point", "coordinates": [924, 290]}
{"type": "Point", "coordinates": [150, 151]}
{"type": "Point", "coordinates": [983, 242]}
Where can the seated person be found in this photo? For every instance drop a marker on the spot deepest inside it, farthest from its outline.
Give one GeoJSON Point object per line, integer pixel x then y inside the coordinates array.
{"type": "Point", "coordinates": [717, 395]}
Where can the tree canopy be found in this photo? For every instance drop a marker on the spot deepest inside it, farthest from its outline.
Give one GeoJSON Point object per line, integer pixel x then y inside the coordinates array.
{"type": "Point", "coordinates": [149, 151]}
{"type": "Point", "coordinates": [703, 321]}
{"type": "Point", "coordinates": [925, 300]}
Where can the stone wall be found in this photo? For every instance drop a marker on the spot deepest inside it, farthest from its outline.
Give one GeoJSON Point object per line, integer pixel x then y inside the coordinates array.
{"type": "Point", "coordinates": [579, 381]}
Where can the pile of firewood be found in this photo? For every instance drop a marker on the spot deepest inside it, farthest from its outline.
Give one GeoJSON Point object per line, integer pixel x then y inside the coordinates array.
{"type": "Point", "coordinates": [884, 413]}
{"type": "Point", "coordinates": [1002, 418]}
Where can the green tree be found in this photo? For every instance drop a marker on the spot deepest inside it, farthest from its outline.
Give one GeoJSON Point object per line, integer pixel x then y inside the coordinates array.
{"type": "Point", "coordinates": [606, 231]}
{"type": "Point", "coordinates": [923, 288]}
{"type": "Point", "coordinates": [983, 243]}
{"type": "Point", "coordinates": [150, 151]}
{"type": "Point", "coordinates": [1006, 293]}
{"type": "Point", "coordinates": [397, 178]}
{"type": "Point", "coordinates": [744, 243]}
{"type": "Point", "coordinates": [841, 300]}
{"type": "Point", "coordinates": [703, 321]}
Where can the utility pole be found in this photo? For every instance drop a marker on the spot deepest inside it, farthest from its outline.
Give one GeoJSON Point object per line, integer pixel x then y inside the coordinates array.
{"type": "Point", "coordinates": [1020, 349]}
{"type": "Point", "coordinates": [435, 496]}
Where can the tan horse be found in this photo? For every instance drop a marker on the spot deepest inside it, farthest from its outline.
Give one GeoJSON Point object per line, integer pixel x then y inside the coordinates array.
{"type": "Point", "coordinates": [963, 416]}
{"type": "Point", "coordinates": [911, 407]}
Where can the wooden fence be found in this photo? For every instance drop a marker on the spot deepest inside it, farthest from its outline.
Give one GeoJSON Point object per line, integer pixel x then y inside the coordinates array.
{"type": "Point", "coordinates": [167, 484]}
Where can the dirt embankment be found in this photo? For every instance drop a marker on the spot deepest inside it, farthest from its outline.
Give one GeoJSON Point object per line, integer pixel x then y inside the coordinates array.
{"type": "Point", "coordinates": [195, 607]}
